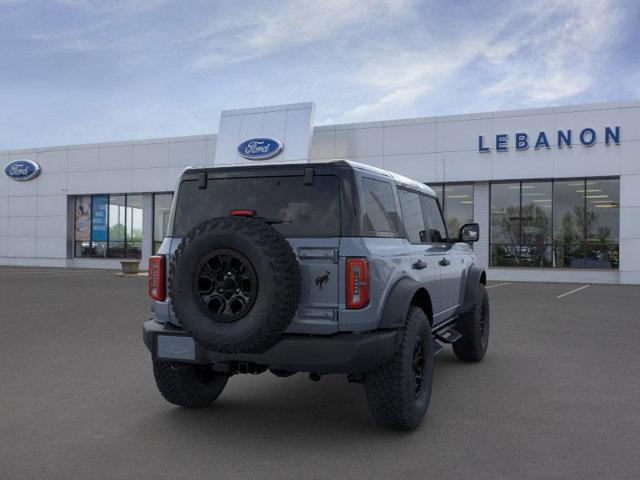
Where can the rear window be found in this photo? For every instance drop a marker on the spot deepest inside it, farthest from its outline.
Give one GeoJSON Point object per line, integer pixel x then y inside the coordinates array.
{"type": "Point", "coordinates": [298, 210]}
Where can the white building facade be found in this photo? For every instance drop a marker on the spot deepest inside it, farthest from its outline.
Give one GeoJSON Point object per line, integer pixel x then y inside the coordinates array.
{"type": "Point", "coordinates": [556, 191]}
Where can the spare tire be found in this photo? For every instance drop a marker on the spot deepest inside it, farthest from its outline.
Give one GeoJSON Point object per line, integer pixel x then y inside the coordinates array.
{"type": "Point", "coordinates": [234, 284]}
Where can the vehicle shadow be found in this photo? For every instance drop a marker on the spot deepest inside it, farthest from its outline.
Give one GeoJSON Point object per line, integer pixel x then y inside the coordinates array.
{"type": "Point", "coordinates": [257, 406]}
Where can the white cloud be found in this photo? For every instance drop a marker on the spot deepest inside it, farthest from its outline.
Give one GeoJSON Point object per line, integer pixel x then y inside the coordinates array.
{"type": "Point", "coordinates": [554, 63]}
{"type": "Point", "coordinates": [159, 68]}
{"type": "Point", "coordinates": [543, 52]}
{"type": "Point", "coordinates": [255, 33]}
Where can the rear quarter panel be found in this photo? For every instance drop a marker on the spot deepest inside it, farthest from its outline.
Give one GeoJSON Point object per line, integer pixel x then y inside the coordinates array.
{"type": "Point", "coordinates": [389, 261]}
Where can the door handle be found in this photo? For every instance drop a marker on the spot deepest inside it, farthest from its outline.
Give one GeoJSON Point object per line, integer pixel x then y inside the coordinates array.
{"type": "Point", "coordinates": [419, 265]}
{"type": "Point", "coordinates": [444, 262]}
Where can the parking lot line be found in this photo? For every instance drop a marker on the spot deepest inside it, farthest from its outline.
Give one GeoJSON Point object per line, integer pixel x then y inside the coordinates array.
{"type": "Point", "coordinates": [573, 291]}
{"type": "Point", "coordinates": [498, 285]}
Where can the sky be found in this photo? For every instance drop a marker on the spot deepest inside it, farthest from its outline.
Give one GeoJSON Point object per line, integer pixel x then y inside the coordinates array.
{"type": "Point", "coordinates": [80, 71]}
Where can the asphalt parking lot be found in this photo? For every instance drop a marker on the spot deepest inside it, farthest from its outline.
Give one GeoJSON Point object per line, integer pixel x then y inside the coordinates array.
{"type": "Point", "coordinates": [558, 396]}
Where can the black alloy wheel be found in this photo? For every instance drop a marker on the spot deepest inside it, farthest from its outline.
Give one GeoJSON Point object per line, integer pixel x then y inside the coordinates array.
{"type": "Point", "coordinates": [225, 285]}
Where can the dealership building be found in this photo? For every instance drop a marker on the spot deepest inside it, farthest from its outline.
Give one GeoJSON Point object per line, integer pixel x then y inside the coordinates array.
{"type": "Point", "coordinates": [556, 191]}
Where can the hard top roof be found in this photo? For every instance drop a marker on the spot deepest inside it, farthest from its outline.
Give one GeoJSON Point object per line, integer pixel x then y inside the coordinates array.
{"type": "Point", "coordinates": [400, 180]}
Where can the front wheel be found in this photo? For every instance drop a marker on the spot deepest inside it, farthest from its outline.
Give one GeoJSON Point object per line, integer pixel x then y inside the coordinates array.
{"type": "Point", "coordinates": [398, 392]}
{"type": "Point", "coordinates": [188, 385]}
{"type": "Point", "coordinates": [474, 327]}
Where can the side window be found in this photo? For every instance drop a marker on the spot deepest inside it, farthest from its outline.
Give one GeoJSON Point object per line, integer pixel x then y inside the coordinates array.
{"type": "Point", "coordinates": [436, 231]}
{"type": "Point", "coordinates": [412, 216]}
{"type": "Point", "coordinates": [380, 215]}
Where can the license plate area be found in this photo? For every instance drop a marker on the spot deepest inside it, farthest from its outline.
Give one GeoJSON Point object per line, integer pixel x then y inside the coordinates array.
{"type": "Point", "coordinates": [175, 347]}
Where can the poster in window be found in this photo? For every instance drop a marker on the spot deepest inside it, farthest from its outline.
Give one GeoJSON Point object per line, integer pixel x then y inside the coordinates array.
{"type": "Point", "coordinates": [83, 219]}
{"type": "Point", "coordinates": [99, 218]}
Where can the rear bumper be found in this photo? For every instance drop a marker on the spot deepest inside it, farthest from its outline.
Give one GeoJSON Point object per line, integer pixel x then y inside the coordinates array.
{"type": "Point", "coordinates": [339, 353]}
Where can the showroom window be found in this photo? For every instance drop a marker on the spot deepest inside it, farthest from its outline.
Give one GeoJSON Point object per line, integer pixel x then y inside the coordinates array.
{"type": "Point", "coordinates": [563, 224]}
{"type": "Point", "coordinates": [456, 200]}
{"type": "Point", "coordinates": [108, 226]}
{"type": "Point", "coordinates": [161, 211]}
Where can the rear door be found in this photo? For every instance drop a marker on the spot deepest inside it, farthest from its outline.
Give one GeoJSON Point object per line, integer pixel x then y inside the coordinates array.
{"type": "Point", "coordinates": [445, 255]}
{"type": "Point", "coordinates": [424, 267]}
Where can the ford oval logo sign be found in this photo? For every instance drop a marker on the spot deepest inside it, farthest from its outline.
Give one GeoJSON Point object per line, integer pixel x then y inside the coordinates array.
{"type": "Point", "coordinates": [22, 170]}
{"type": "Point", "coordinates": [260, 148]}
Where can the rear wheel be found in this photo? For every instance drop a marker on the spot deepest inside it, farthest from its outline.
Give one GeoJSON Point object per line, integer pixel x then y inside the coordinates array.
{"type": "Point", "coordinates": [188, 385]}
{"type": "Point", "coordinates": [399, 391]}
{"type": "Point", "coordinates": [474, 328]}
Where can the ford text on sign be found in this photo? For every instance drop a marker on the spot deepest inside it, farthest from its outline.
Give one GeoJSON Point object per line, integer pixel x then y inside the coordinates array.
{"type": "Point", "coordinates": [260, 148]}
{"type": "Point", "coordinates": [22, 170]}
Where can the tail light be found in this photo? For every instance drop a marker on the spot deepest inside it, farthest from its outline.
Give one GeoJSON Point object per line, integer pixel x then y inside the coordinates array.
{"type": "Point", "coordinates": [358, 287]}
{"type": "Point", "coordinates": [157, 278]}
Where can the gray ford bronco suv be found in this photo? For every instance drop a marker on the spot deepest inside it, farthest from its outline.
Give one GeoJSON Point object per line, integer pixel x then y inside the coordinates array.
{"type": "Point", "coordinates": [322, 268]}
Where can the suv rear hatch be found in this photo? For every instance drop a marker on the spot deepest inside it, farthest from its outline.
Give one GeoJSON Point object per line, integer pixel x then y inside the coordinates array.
{"type": "Point", "coordinates": [304, 206]}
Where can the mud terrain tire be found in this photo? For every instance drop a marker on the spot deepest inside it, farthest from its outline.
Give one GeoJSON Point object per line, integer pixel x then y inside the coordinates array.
{"type": "Point", "coordinates": [394, 399]}
{"type": "Point", "coordinates": [251, 280]}
{"type": "Point", "coordinates": [188, 385]}
{"type": "Point", "coordinates": [474, 326]}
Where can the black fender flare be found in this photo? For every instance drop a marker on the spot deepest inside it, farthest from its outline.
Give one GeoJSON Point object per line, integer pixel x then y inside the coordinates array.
{"type": "Point", "coordinates": [475, 276]}
{"type": "Point", "coordinates": [397, 304]}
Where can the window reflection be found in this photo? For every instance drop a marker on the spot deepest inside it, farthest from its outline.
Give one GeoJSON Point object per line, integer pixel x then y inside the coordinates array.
{"type": "Point", "coordinates": [536, 201]}
{"type": "Point", "coordinates": [134, 226]}
{"type": "Point", "coordinates": [117, 217]}
{"type": "Point", "coordinates": [412, 216]}
{"type": "Point", "coordinates": [108, 226]}
{"type": "Point", "coordinates": [603, 223]}
{"type": "Point", "coordinates": [505, 224]}
{"type": "Point", "coordinates": [456, 200]}
{"type": "Point", "coordinates": [565, 224]}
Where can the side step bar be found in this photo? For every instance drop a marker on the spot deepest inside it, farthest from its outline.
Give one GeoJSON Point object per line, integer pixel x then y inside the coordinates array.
{"type": "Point", "coordinates": [445, 334]}
{"type": "Point", "coordinates": [448, 336]}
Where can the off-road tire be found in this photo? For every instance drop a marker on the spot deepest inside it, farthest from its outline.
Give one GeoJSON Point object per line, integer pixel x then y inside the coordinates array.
{"type": "Point", "coordinates": [278, 284]}
{"type": "Point", "coordinates": [390, 388]}
{"type": "Point", "coordinates": [474, 327]}
{"type": "Point", "coordinates": [188, 385]}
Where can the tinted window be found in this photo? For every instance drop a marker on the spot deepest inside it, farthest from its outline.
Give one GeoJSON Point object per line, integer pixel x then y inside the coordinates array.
{"type": "Point", "coordinates": [436, 231]}
{"type": "Point", "coordinates": [412, 215]}
{"type": "Point", "coordinates": [298, 210]}
{"type": "Point", "coordinates": [380, 215]}
{"type": "Point", "coordinates": [161, 211]}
